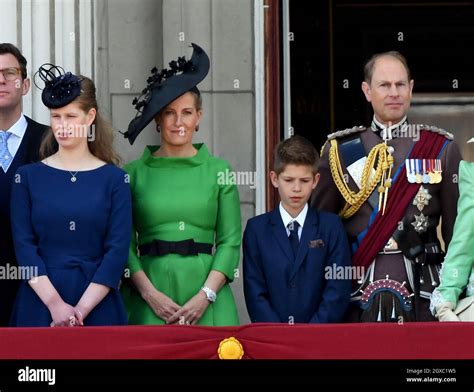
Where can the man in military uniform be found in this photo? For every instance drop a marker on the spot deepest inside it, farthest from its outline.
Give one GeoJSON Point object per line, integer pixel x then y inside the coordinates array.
{"type": "Point", "coordinates": [391, 183]}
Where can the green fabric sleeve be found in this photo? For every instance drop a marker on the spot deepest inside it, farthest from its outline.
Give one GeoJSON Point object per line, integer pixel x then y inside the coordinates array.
{"type": "Point", "coordinates": [228, 230]}
{"type": "Point", "coordinates": [458, 263]}
{"type": "Point", "coordinates": [134, 263]}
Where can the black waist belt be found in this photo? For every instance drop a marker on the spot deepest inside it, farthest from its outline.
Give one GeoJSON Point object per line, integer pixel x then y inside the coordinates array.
{"type": "Point", "coordinates": [184, 248]}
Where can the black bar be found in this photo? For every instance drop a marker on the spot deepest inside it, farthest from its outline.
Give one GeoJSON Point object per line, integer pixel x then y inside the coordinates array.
{"type": "Point", "coordinates": [424, 374]}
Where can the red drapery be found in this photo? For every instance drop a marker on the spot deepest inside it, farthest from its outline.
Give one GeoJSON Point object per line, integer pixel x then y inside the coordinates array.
{"type": "Point", "coordinates": [265, 341]}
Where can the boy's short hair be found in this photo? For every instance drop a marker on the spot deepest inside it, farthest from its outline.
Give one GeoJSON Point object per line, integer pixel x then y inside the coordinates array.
{"type": "Point", "coordinates": [296, 150]}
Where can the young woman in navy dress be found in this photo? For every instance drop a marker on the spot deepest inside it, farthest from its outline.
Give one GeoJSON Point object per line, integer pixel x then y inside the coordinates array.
{"type": "Point", "coordinates": [71, 215]}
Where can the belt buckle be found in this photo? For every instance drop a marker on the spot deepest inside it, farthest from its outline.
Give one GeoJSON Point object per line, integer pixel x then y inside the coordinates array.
{"type": "Point", "coordinates": [391, 247]}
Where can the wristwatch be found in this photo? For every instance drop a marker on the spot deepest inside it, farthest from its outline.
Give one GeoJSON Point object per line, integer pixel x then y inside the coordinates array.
{"type": "Point", "coordinates": [210, 294]}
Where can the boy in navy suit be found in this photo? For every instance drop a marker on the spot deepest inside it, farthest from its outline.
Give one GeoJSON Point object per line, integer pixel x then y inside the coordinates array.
{"type": "Point", "coordinates": [296, 259]}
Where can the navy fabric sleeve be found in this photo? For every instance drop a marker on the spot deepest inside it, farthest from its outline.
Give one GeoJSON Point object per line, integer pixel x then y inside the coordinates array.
{"type": "Point", "coordinates": [255, 287]}
{"type": "Point", "coordinates": [117, 240]}
{"type": "Point", "coordinates": [336, 295]}
{"type": "Point", "coordinates": [24, 237]}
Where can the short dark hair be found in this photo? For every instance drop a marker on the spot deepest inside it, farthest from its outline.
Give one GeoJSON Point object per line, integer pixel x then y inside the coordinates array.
{"type": "Point", "coordinates": [6, 48]}
{"type": "Point", "coordinates": [369, 65]}
{"type": "Point", "coordinates": [296, 150]}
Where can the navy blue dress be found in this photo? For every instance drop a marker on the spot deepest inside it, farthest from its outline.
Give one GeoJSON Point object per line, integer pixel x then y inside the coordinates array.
{"type": "Point", "coordinates": [73, 232]}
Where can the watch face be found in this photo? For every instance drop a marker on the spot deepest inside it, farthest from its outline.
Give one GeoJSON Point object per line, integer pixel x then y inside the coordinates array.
{"type": "Point", "coordinates": [211, 297]}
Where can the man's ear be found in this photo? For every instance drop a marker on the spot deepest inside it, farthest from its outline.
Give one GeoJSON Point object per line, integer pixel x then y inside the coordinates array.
{"type": "Point", "coordinates": [25, 86]}
{"type": "Point", "coordinates": [412, 83]}
{"type": "Point", "coordinates": [366, 89]}
{"type": "Point", "coordinates": [274, 179]}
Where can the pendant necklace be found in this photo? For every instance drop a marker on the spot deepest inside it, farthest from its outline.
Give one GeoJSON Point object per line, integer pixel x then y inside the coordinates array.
{"type": "Point", "coordinates": [73, 176]}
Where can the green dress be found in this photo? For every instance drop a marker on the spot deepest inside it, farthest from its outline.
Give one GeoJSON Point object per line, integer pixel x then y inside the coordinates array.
{"type": "Point", "coordinates": [176, 199]}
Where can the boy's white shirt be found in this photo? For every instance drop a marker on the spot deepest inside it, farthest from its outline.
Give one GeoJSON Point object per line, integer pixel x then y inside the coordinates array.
{"type": "Point", "coordinates": [287, 218]}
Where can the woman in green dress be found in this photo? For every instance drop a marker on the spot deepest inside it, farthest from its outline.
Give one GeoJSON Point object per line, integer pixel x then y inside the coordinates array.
{"type": "Point", "coordinates": [181, 210]}
{"type": "Point", "coordinates": [457, 273]}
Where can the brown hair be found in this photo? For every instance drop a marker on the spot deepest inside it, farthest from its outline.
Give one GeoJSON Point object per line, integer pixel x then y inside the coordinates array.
{"type": "Point", "coordinates": [295, 151]}
{"type": "Point", "coordinates": [369, 66]}
{"type": "Point", "coordinates": [102, 145]}
{"type": "Point", "coordinates": [6, 48]}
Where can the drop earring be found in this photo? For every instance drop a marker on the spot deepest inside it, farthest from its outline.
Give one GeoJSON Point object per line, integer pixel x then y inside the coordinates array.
{"type": "Point", "coordinates": [197, 127]}
{"type": "Point", "coordinates": [158, 129]}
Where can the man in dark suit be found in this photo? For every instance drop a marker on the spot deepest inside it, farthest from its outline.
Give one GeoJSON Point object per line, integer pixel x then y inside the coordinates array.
{"type": "Point", "coordinates": [20, 139]}
{"type": "Point", "coordinates": [296, 259]}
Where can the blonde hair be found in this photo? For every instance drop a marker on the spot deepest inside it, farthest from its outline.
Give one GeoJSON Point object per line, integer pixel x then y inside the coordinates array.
{"type": "Point", "coordinates": [102, 144]}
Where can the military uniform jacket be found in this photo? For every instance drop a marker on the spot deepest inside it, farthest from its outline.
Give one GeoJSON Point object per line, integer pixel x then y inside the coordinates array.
{"type": "Point", "coordinates": [442, 205]}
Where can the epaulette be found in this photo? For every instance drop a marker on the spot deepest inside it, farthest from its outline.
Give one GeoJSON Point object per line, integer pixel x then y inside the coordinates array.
{"type": "Point", "coordinates": [345, 132]}
{"type": "Point", "coordinates": [441, 131]}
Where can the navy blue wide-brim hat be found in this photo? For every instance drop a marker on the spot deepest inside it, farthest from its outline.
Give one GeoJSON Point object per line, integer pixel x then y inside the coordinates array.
{"type": "Point", "coordinates": [166, 86]}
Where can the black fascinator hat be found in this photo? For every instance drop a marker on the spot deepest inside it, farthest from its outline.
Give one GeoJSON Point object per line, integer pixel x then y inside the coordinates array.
{"type": "Point", "coordinates": [165, 86]}
{"type": "Point", "coordinates": [60, 87]}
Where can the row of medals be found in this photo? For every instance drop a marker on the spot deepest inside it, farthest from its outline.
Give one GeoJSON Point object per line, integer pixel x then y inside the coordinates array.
{"type": "Point", "coordinates": [423, 171]}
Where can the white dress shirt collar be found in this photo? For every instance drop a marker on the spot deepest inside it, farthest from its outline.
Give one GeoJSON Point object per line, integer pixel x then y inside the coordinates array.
{"type": "Point", "coordinates": [287, 218]}
{"type": "Point", "coordinates": [19, 128]}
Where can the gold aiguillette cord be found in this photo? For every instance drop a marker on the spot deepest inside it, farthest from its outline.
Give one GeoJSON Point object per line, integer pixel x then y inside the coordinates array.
{"type": "Point", "coordinates": [386, 181]}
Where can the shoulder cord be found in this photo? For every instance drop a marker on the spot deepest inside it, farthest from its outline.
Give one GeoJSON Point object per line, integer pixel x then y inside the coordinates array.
{"type": "Point", "coordinates": [380, 156]}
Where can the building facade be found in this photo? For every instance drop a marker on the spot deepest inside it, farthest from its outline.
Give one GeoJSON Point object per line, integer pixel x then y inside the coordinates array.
{"type": "Point", "coordinates": [118, 42]}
